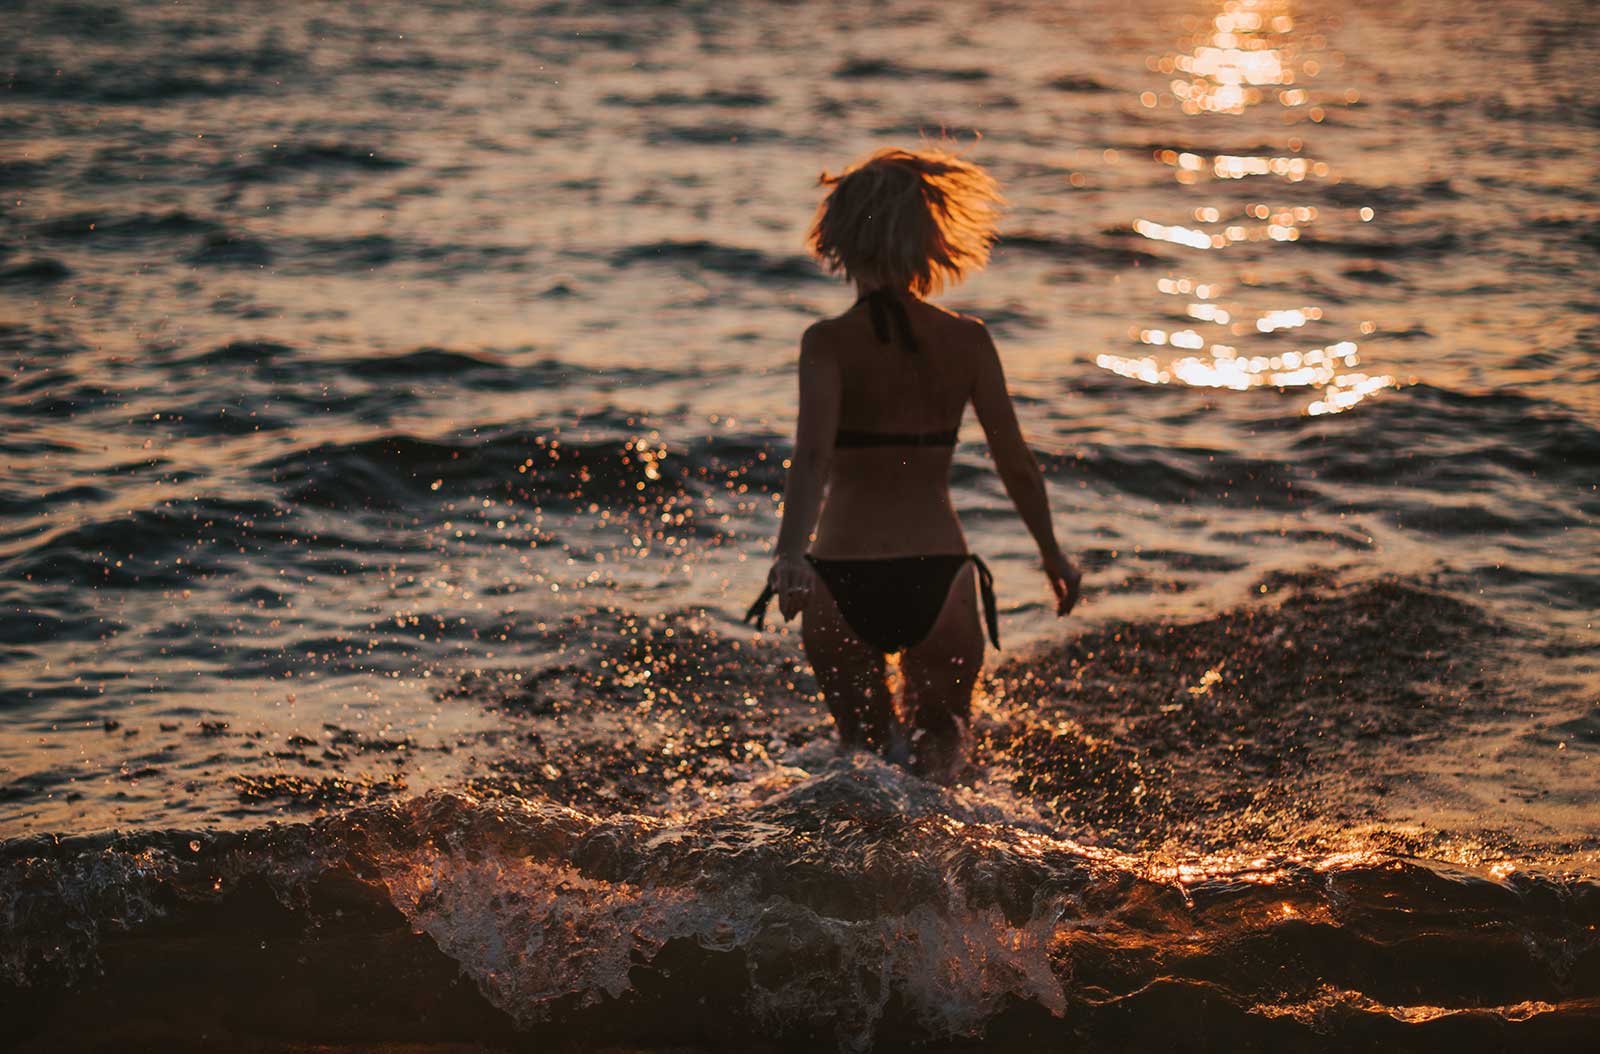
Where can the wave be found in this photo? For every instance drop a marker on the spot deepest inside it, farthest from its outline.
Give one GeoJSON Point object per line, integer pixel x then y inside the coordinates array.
{"type": "Point", "coordinates": [686, 839]}
{"type": "Point", "coordinates": [114, 82]}
{"type": "Point", "coordinates": [16, 501]}
{"type": "Point", "coordinates": [1005, 320]}
{"type": "Point", "coordinates": [1078, 83]}
{"type": "Point", "coordinates": [544, 468]}
{"type": "Point", "coordinates": [722, 259]}
{"type": "Point", "coordinates": [1427, 434]}
{"type": "Point", "coordinates": [23, 172]}
{"type": "Point", "coordinates": [276, 162]}
{"type": "Point", "coordinates": [154, 60]}
{"type": "Point", "coordinates": [1371, 275]}
{"type": "Point", "coordinates": [56, 393]}
{"type": "Point", "coordinates": [1528, 456]}
{"type": "Point", "coordinates": [275, 387]}
{"type": "Point", "coordinates": [1526, 459]}
{"type": "Point", "coordinates": [370, 251]}
{"type": "Point", "coordinates": [240, 353]}
{"type": "Point", "coordinates": [1074, 250]}
{"type": "Point", "coordinates": [1216, 733]}
{"type": "Point", "coordinates": [40, 269]}
{"type": "Point", "coordinates": [419, 61]}
{"type": "Point", "coordinates": [301, 256]}
{"type": "Point", "coordinates": [1388, 196]}
{"type": "Point", "coordinates": [881, 68]}
{"type": "Point", "coordinates": [733, 100]}
{"type": "Point", "coordinates": [1235, 718]}
{"type": "Point", "coordinates": [1436, 245]}
{"type": "Point", "coordinates": [1184, 476]}
{"type": "Point", "coordinates": [844, 909]}
{"type": "Point", "coordinates": [427, 362]}
{"type": "Point", "coordinates": [102, 227]}
{"type": "Point", "coordinates": [1553, 106]}
{"type": "Point", "coordinates": [231, 248]}
{"type": "Point", "coordinates": [736, 134]}
{"type": "Point", "coordinates": [131, 549]}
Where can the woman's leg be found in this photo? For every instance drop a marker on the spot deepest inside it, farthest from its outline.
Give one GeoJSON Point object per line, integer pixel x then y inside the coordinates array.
{"type": "Point", "coordinates": [940, 674]}
{"type": "Point", "coordinates": [852, 674]}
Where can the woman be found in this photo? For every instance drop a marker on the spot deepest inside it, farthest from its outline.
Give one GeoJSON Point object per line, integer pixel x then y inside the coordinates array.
{"type": "Point", "coordinates": [881, 566]}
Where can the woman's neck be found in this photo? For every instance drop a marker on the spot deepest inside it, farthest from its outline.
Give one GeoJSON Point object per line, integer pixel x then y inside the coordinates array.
{"type": "Point", "coordinates": [866, 289]}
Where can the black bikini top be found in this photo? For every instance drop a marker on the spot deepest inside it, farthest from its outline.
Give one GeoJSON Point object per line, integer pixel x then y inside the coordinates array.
{"type": "Point", "coordinates": [848, 437]}
{"type": "Point", "coordinates": [889, 314]}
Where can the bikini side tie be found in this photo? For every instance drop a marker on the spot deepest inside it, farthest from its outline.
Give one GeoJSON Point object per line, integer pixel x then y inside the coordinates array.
{"type": "Point", "coordinates": [991, 616]}
{"type": "Point", "coordinates": [758, 611]}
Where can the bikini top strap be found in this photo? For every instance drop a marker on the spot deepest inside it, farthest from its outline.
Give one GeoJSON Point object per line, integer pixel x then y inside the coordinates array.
{"type": "Point", "coordinates": [885, 307]}
{"type": "Point", "coordinates": [880, 315]}
{"type": "Point", "coordinates": [991, 616]}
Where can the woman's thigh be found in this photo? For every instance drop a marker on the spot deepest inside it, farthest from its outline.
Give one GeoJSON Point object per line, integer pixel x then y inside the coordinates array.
{"type": "Point", "coordinates": [943, 668]}
{"type": "Point", "coordinates": [852, 674]}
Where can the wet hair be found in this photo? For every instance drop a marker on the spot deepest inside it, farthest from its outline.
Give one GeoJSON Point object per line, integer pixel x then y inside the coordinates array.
{"type": "Point", "coordinates": [922, 219]}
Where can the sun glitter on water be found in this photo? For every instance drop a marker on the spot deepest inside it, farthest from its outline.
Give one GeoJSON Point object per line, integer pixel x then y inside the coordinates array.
{"type": "Point", "coordinates": [1249, 53]}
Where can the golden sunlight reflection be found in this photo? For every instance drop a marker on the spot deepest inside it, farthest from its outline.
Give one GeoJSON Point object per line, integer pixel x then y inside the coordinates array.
{"type": "Point", "coordinates": [1293, 319]}
{"type": "Point", "coordinates": [1284, 226]}
{"type": "Point", "coordinates": [1242, 53]}
{"type": "Point", "coordinates": [1189, 870]}
{"type": "Point", "coordinates": [1225, 368]}
{"type": "Point", "coordinates": [1191, 166]}
{"type": "Point", "coordinates": [1240, 57]}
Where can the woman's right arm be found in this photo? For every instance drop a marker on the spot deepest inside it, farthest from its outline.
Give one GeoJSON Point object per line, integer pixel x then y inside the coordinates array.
{"type": "Point", "coordinates": [1019, 472]}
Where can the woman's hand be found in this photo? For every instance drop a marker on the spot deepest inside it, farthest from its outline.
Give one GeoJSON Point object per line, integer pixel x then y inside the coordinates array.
{"type": "Point", "coordinates": [1065, 579]}
{"type": "Point", "coordinates": [793, 579]}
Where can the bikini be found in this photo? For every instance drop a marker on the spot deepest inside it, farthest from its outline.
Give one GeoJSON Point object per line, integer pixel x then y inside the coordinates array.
{"type": "Point", "coordinates": [893, 602]}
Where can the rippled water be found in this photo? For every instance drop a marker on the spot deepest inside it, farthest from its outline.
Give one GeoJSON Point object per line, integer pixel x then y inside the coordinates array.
{"type": "Point", "coordinates": [394, 410]}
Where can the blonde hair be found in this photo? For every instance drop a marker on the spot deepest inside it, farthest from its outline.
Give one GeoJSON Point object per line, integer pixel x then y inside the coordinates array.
{"type": "Point", "coordinates": [923, 219]}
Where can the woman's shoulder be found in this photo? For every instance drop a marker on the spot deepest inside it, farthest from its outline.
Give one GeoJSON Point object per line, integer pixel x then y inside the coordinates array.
{"type": "Point", "coordinates": [822, 332]}
{"type": "Point", "coordinates": [965, 328]}
{"type": "Point", "coordinates": [823, 341]}
{"type": "Point", "coordinates": [953, 327]}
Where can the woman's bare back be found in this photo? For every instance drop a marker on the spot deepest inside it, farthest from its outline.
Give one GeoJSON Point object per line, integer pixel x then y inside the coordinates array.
{"type": "Point", "coordinates": [894, 499]}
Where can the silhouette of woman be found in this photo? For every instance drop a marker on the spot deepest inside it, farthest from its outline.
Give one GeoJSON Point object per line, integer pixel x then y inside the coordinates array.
{"type": "Point", "coordinates": [870, 551]}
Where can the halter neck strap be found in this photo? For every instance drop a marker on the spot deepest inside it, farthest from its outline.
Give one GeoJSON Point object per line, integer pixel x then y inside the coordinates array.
{"type": "Point", "coordinates": [889, 314]}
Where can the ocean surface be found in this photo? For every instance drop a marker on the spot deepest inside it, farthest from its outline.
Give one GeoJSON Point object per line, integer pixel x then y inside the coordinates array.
{"type": "Point", "coordinates": [394, 401]}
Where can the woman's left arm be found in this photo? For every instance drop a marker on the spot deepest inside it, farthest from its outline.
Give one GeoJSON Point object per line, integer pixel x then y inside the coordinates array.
{"type": "Point", "coordinates": [815, 426]}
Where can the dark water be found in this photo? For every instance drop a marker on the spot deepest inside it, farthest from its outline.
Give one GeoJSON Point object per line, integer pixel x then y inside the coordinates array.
{"type": "Point", "coordinates": [394, 413]}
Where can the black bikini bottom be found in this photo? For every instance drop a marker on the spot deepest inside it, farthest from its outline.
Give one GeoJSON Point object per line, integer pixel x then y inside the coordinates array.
{"type": "Point", "coordinates": [893, 602]}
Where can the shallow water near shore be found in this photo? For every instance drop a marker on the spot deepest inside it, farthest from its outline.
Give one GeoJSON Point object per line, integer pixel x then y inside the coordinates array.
{"type": "Point", "coordinates": [394, 414]}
